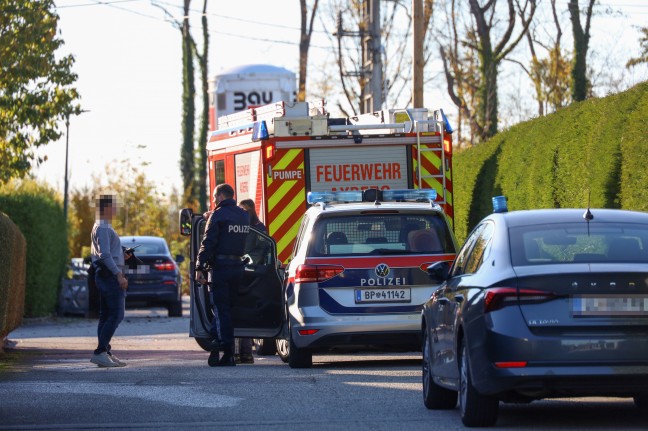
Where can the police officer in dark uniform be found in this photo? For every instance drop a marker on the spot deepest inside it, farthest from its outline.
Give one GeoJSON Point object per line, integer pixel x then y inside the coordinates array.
{"type": "Point", "coordinates": [220, 252]}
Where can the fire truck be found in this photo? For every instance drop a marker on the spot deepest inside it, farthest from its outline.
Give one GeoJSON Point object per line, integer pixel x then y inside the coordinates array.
{"type": "Point", "coordinates": [275, 154]}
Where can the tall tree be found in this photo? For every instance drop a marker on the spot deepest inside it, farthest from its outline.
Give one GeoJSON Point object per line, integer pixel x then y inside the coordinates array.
{"type": "Point", "coordinates": [36, 90]}
{"type": "Point", "coordinates": [549, 74]}
{"type": "Point", "coordinates": [470, 42]}
{"type": "Point", "coordinates": [202, 167]}
{"type": "Point", "coordinates": [187, 159]}
{"type": "Point", "coordinates": [580, 84]}
{"type": "Point", "coordinates": [492, 53]}
{"type": "Point", "coordinates": [304, 44]}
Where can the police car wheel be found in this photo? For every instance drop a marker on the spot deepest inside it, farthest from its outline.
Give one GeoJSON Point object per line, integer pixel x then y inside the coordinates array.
{"type": "Point", "coordinates": [265, 346]}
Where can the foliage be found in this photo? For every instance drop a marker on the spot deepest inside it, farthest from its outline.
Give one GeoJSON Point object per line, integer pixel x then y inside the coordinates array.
{"type": "Point", "coordinates": [143, 211]}
{"type": "Point", "coordinates": [489, 36]}
{"type": "Point", "coordinates": [39, 215]}
{"type": "Point", "coordinates": [81, 220]}
{"type": "Point", "coordinates": [643, 57]}
{"type": "Point", "coordinates": [592, 153]}
{"type": "Point", "coordinates": [35, 86]}
{"type": "Point", "coordinates": [13, 268]}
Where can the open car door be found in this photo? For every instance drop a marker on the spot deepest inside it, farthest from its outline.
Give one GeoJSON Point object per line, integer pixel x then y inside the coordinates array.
{"type": "Point", "coordinates": [257, 310]}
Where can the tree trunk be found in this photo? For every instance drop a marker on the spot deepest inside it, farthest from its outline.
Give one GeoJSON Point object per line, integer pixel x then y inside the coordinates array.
{"type": "Point", "coordinates": [202, 167]}
{"type": "Point", "coordinates": [187, 162]}
{"type": "Point", "coordinates": [581, 43]}
{"type": "Point", "coordinates": [304, 45]}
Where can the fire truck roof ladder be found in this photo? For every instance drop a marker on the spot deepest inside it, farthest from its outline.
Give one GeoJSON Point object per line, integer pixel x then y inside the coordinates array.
{"type": "Point", "coordinates": [437, 121]}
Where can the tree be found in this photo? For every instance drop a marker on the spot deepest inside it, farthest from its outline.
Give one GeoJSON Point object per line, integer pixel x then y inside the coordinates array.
{"type": "Point", "coordinates": [304, 45]}
{"type": "Point", "coordinates": [202, 167]}
{"type": "Point", "coordinates": [550, 75]}
{"type": "Point", "coordinates": [643, 57]}
{"type": "Point", "coordinates": [580, 83]}
{"type": "Point", "coordinates": [36, 90]}
{"type": "Point", "coordinates": [188, 168]}
{"type": "Point", "coordinates": [187, 159]}
{"type": "Point", "coordinates": [492, 53]}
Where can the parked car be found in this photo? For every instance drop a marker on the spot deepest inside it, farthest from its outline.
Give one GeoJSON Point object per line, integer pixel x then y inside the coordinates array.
{"type": "Point", "coordinates": [157, 280]}
{"type": "Point", "coordinates": [539, 304]}
{"type": "Point", "coordinates": [357, 279]}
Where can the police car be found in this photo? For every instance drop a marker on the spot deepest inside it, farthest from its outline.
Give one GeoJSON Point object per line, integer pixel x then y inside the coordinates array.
{"type": "Point", "coordinates": [357, 278]}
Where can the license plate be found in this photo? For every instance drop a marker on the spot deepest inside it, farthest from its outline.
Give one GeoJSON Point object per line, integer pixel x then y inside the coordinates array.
{"type": "Point", "coordinates": [609, 306]}
{"type": "Point", "coordinates": [383, 295]}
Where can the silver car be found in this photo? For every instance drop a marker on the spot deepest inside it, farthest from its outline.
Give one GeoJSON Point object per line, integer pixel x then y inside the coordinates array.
{"type": "Point", "coordinates": [539, 304]}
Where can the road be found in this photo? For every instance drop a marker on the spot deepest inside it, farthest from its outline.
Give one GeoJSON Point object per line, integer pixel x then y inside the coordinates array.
{"type": "Point", "coordinates": [50, 384]}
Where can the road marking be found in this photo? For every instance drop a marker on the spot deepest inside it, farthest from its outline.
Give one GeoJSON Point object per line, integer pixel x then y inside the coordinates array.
{"type": "Point", "coordinates": [177, 396]}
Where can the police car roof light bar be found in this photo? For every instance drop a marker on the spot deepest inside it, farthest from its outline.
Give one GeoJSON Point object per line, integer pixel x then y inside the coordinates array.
{"type": "Point", "coordinates": [376, 195]}
{"type": "Point", "coordinates": [410, 195]}
{"type": "Point", "coordinates": [325, 197]}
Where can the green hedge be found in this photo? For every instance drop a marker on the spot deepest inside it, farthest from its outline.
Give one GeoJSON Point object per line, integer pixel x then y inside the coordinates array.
{"type": "Point", "coordinates": [39, 215]}
{"type": "Point", "coordinates": [592, 153]}
{"type": "Point", "coordinates": [12, 276]}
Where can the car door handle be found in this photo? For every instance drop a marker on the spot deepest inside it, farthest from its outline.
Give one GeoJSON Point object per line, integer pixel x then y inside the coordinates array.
{"type": "Point", "coordinates": [459, 298]}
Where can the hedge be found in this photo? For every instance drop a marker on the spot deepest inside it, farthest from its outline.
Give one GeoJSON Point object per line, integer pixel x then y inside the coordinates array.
{"type": "Point", "coordinates": [39, 215]}
{"type": "Point", "coordinates": [13, 266]}
{"type": "Point", "coordinates": [593, 153]}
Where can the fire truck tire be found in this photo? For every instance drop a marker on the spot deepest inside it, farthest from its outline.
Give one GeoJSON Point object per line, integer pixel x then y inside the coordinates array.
{"type": "Point", "coordinates": [283, 349]}
{"type": "Point", "coordinates": [265, 346]}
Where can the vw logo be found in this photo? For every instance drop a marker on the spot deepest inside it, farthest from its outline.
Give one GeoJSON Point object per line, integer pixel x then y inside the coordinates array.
{"type": "Point", "coordinates": [382, 270]}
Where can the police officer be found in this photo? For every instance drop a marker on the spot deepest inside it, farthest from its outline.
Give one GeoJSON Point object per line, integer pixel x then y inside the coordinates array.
{"type": "Point", "coordinates": [220, 251]}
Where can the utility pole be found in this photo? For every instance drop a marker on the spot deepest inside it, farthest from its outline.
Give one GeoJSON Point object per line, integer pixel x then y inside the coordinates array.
{"type": "Point", "coordinates": [417, 55]}
{"type": "Point", "coordinates": [370, 76]}
{"type": "Point", "coordinates": [65, 189]}
{"type": "Point", "coordinates": [372, 63]}
{"type": "Point", "coordinates": [67, 145]}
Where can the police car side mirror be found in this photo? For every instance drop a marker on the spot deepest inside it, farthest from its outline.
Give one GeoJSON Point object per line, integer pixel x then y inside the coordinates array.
{"type": "Point", "coordinates": [186, 214]}
{"type": "Point", "coordinates": [439, 271]}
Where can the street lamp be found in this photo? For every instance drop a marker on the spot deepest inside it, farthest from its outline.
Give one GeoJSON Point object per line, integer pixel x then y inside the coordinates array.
{"type": "Point", "coordinates": [67, 145]}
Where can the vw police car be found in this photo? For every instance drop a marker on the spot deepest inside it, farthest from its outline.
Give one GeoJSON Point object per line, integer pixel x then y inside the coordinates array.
{"type": "Point", "coordinates": [357, 278]}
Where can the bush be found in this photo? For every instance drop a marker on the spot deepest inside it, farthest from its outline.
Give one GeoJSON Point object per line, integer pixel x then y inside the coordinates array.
{"type": "Point", "coordinates": [592, 153]}
{"type": "Point", "coordinates": [39, 215]}
{"type": "Point", "coordinates": [12, 276]}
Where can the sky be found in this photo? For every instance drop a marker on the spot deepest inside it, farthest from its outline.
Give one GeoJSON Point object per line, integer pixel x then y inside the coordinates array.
{"type": "Point", "coordinates": [128, 59]}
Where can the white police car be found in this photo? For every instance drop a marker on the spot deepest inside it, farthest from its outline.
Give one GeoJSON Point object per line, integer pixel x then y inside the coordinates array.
{"type": "Point", "coordinates": [357, 278]}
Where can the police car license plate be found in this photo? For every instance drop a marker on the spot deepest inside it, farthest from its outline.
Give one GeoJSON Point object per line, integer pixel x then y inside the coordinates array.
{"type": "Point", "coordinates": [383, 295]}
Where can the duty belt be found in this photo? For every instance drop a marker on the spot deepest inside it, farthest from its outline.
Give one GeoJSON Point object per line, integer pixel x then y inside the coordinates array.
{"type": "Point", "coordinates": [228, 256]}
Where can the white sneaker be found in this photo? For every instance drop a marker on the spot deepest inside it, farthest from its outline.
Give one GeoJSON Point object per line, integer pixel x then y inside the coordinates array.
{"type": "Point", "coordinates": [103, 360]}
{"type": "Point", "coordinates": [116, 360]}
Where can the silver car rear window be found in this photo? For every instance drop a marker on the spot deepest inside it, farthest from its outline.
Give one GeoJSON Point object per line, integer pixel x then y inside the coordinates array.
{"type": "Point", "coordinates": [578, 243]}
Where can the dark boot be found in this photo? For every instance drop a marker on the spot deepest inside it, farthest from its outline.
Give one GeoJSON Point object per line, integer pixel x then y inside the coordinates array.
{"type": "Point", "coordinates": [228, 359]}
{"type": "Point", "coordinates": [213, 358]}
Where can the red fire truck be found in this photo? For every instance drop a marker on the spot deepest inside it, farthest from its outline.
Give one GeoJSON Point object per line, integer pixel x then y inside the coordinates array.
{"type": "Point", "coordinates": [275, 154]}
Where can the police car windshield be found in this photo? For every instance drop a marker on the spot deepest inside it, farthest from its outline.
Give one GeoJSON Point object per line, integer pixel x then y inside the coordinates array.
{"type": "Point", "coordinates": [381, 234]}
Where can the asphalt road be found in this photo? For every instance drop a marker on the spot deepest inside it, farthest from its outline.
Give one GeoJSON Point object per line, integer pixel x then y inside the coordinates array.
{"type": "Point", "coordinates": [49, 383]}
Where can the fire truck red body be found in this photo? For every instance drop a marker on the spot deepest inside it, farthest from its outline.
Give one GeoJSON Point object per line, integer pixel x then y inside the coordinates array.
{"type": "Point", "coordinates": [276, 154]}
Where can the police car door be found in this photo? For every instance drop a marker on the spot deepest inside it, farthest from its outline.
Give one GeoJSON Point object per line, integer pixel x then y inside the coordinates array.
{"type": "Point", "coordinates": [257, 310]}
